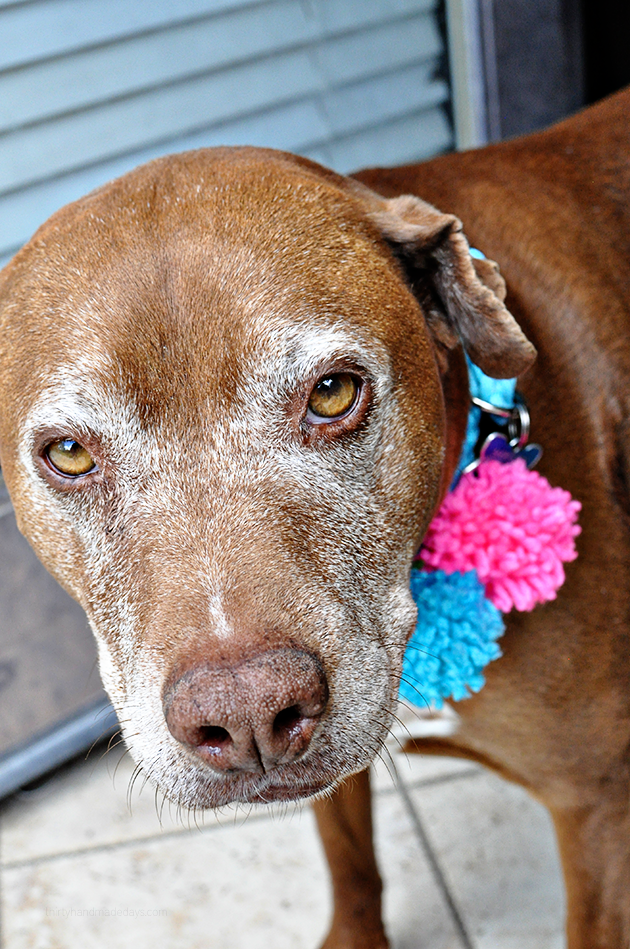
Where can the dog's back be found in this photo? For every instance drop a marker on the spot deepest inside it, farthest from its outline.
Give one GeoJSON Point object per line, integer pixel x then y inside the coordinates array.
{"type": "Point", "coordinates": [554, 210]}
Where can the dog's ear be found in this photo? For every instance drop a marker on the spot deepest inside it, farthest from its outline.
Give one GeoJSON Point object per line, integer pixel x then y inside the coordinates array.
{"type": "Point", "coordinates": [462, 298]}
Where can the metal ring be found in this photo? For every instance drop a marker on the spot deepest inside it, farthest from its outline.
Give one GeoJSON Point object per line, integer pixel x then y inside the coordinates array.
{"type": "Point", "coordinates": [518, 426]}
{"type": "Point", "coordinates": [471, 466]}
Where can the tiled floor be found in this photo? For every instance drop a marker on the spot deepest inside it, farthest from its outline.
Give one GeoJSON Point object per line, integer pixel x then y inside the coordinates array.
{"type": "Point", "coordinates": [468, 860]}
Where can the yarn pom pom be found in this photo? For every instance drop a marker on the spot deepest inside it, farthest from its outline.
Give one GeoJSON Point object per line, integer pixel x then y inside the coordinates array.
{"type": "Point", "coordinates": [453, 640]}
{"type": "Point", "coordinates": [509, 525]}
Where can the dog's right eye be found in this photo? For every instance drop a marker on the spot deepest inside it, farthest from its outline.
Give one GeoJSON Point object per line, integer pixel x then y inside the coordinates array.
{"type": "Point", "coordinates": [69, 458]}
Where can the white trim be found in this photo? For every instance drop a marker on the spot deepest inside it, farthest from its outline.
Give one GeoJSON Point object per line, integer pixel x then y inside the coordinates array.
{"type": "Point", "coordinates": [466, 59]}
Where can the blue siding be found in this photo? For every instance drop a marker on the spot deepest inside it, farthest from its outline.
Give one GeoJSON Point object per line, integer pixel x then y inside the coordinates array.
{"type": "Point", "coordinates": [91, 88]}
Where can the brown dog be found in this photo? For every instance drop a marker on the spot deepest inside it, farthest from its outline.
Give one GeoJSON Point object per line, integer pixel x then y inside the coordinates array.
{"type": "Point", "coordinates": [232, 393]}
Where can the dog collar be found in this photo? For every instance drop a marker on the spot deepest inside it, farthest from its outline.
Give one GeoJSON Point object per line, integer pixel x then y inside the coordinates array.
{"type": "Point", "coordinates": [498, 542]}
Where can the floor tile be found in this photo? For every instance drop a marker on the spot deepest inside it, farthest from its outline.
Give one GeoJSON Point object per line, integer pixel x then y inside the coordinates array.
{"type": "Point", "coordinates": [415, 768]}
{"type": "Point", "coordinates": [414, 909]}
{"type": "Point", "coordinates": [497, 849]}
{"type": "Point", "coordinates": [88, 805]}
{"type": "Point", "coordinates": [225, 887]}
{"type": "Point", "coordinates": [258, 885]}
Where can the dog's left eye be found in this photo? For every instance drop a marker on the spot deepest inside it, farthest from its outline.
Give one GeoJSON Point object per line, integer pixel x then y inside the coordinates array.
{"type": "Point", "coordinates": [69, 457]}
{"type": "Point", "coordinates": [333, 396]}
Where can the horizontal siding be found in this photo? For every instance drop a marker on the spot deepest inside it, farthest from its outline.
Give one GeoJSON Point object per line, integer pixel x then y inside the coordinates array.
{"type": "Point", "coordinates": [340, 15]}
{"type": "Point", "coordinates": [143, 62]}
{"type": "Point", "coordinates": [379, 98]}
{"type": "Point", "coordinates": [157, 116]}
{"type": "Point", "coordinates": [90, 96]}
{"type": "Point", "coordinates": [384, 46]}
{"type": "Point", "coordinates": [34, 31]}
{"type": "Point", "coordinates": [427, 133]}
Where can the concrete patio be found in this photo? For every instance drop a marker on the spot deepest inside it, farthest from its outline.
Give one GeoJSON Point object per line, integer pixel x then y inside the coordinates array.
{"type": "Point", "coordinates": [468, 861]}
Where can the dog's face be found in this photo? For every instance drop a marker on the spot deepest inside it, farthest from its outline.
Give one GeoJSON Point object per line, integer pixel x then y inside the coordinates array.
{"type": "Point", "coordinates": [223, 430]}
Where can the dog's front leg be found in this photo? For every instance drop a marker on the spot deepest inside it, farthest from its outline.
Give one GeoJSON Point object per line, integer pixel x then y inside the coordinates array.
{"type": "Point", "coordinates": [595, 852]}
{"type": "Point", "coordinates": [345, 826]}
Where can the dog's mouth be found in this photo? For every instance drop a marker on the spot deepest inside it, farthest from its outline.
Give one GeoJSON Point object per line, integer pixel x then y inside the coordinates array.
{"type": "Point", "coordinates": [192, 782]}
{"type": "Point", "coordinates": [282, 785]}
{"type": "Point", "coordinates": [258, 730]}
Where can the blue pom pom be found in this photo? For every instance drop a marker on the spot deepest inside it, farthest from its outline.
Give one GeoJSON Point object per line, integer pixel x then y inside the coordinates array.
{"type": "Point", "coordinates": [454, 639]}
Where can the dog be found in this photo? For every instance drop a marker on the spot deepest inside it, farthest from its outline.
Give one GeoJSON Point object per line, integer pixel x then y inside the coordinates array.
{"type": "Point", "coordinates": [233, 392]}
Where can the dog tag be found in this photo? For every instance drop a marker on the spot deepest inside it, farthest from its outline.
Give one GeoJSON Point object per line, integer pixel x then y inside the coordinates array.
{"type": "Point", "coordinates": [497, 448]}
{"type": "Point", "coordinates": [531, 454]}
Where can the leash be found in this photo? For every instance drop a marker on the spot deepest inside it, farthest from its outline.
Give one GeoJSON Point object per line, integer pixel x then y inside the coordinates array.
{"type": "Point", "coordinates": [498, 542]}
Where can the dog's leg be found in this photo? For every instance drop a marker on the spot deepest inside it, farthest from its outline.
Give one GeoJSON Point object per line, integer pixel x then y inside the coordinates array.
{"type": "Point", "coordinates": [594, 845]}
{"type": "Point", "coordinates": [345, 826]}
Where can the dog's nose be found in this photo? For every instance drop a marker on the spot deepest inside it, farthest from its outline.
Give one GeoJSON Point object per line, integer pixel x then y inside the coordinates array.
{"type": "Point", "coordinates": [251, 716]}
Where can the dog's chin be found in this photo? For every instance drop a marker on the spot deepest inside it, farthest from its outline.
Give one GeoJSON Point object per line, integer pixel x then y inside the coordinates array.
{"type": "Point", "coordinates": [221, 791]}
{"type": "Point", "coordinates": [287, 793]}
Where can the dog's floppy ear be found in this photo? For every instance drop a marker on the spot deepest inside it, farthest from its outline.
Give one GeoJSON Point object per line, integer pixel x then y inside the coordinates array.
{"type": "Point", "coordinates": [462, 298]}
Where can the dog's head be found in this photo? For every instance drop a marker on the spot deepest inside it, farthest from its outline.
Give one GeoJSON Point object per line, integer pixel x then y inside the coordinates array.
{"type": "Point", "coordinates": [222, 424]}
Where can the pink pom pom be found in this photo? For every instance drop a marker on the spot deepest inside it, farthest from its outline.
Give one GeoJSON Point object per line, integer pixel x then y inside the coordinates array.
{"type": "Point", "coordinates": [509, 525]}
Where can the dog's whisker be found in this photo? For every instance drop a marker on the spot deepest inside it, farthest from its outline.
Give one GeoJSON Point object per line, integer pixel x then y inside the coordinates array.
{"type": "Point", "coordinates": [106, 750]}
{"type": "Point", "coordinates": [165, 800]}
{"type": "Point", "coordinates": [420, 695]}
{"type": "Point", "coordinates": [111, 748]}
{"type": "Point", "coordinates": [403, 726]}
{"type": "Point", "coordinates": [96, 742]}
{"type": "Point", "coordinates": [156, 792]}
{"type": "Point", "coordinates": [395, 738]}
{"type": "Point", "coordinates": [115, 740]}
{"type": "Point", "coordinates": [411, 645]}
{"type": "Point", "coordinates": [145, 780]}
{"type": "Point", "coordinates": [118, 764]}
{"type": "Point", "coordinates": [389, 713]}
{"type": "Point", "coordinates": [137, 771]}
{"type": "Point", "coordinates": [388, 765]}
{"type": "Point", "coordinates": [379, 757]}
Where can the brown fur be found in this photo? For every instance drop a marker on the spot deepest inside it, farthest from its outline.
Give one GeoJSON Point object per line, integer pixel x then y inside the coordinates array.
{"type": "Point", "coordinates": [175, 322]}
{"type": "Point", "coordinates": [554, 209]}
